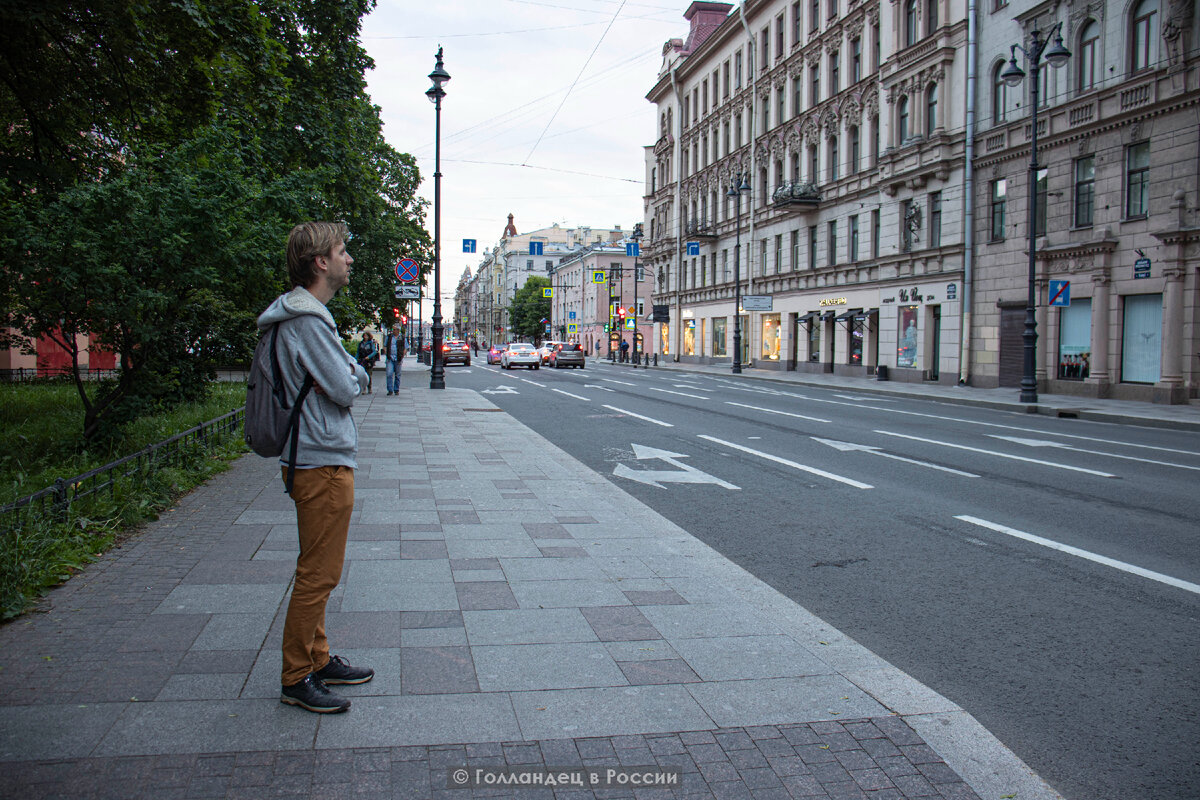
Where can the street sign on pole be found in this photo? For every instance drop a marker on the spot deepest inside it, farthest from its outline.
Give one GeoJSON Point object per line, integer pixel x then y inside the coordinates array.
{"type": "Point", "coordinates": [598, 276]}
{"type": "Point", "coordinates": [468, 245]}
{"type": "Point", "coordinates": [407, 271]}
{"type": "Point", "coordinates": [1060, 293]}
{"type": "Point", "coordinates": [535, 248]}
{"type": "Point", "coordinates": [632, 250]}
{"type": "Point", "coordinates": [408, 292]}
{"type": "Point", "coordinates": [1141, 268]}
{"type": "Point", "coordinates": [693, 248]}
{"type": "Point", "coordinates": [547, 291]}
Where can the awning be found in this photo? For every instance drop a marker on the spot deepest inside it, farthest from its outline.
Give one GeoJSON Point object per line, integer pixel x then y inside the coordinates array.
{"type": "Point", "coordinates": [828, 315]}
{"type": "Point", "coordinates": [851, 312]}
{"type": "Point", "coordinates": [809, 317]}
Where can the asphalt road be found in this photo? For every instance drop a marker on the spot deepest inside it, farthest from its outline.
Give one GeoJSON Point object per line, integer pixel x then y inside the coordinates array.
{"type": "Point", "coordinates": [1042, 573]}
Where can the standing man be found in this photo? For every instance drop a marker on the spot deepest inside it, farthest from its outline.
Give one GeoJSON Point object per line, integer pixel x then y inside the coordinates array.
{"type": "Point", "coordinates": [393, 350]}
{"type": "Point", "coordinates": [323, 490]}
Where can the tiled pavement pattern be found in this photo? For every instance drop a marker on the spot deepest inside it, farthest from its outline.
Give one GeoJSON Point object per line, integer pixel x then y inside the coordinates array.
{"type": "Point", "coordinates": [504, 593]}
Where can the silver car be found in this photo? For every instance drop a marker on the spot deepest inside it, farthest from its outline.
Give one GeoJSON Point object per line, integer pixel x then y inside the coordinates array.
{"type": "Point", "coordinates": [567, 354]}
{"type": "Point", "coordinates": [520, 354]}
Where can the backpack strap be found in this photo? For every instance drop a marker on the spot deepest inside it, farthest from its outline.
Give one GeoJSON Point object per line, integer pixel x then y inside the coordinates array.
{"type": "Point", "coordinates": [294, 425]}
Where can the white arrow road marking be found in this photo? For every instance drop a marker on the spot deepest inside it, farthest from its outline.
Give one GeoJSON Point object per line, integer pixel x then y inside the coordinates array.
{"type": "Point", "coordinates": [1001, 455]}
{"type": "Point", "coordinates": [613, 380]}
{"type": "Point", "coordinates": [875, 451]}
{"type": "Point", "coordinates": [597, 386]}
{"type": "Point", "coordinates": [681, 394]}
{"type": "Point", "coordinates": [500, 390]}
{"type": "Point", "coordinates": [773, 411]}
{"type": "Point", "coordinates": [639, 416]}
{"type": "Point", "coordinates": [1062, 446]}
{"type": "Point", "coordinates": [652, 477]}
{"type": "Point", "coordinates": [793, 464]}
{"type": "Point", "coordinates": [577, 397]}
{"type": "Point", "coordinates": [1075, 551]}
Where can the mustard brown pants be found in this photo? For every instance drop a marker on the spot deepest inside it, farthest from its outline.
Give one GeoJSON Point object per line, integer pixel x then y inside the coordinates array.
{"type": "Point", "coordinates": [324, 498]}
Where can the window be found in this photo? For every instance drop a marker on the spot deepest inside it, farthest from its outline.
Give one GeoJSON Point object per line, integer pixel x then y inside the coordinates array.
{"type": "Point", "coordinates": [704, 94]}
{"type": "Point", "coordinates": [910, 22]}
{"type": "Point", "coordinates": [737, 70]}
{"type": "Point", "coordinates": [529, 265]}
{"type": "Point", "coordinates": [902, 126]}
{"type": "Point", "coordinates": [779, 36]}
{"type": "Point", "coordinates": [906, 348]}
{"type": "Point", "coordinates": [725, 81]}
{"type": "Point", "coordinates": [716, 77]}
{"type": "Point", "coordinates": [1044, 87]}
{"type": "Point", "coordinates": [835, 80]}
{"type": "Point", "coordinates": [1141, 342]}
{"type": "Point", "coordinates": [797, 23]}
{"type": "Point", "coordinates": [855, 60]}
{"type": "Point", "coordinates": [778, 252]}
{"type": "Point", "coordinates": [931, 101]}
{"type": "Point", "coordinates": [833, 241]}
{"type": "Point", "coordinates": [797, 96]}
{"type": "Point", "coordinates": [999, 4]}
{"type": "Point", "coordinates": [854, 150]}
{"type": "Point", "coordinates": [814, 340]}
{"type": "Point", "coordinates": [833, 9]}
{"type": "Point", "coordinates": [762, 256]}
{"type": "Point", "coordinates": [1075, 339]}
{"type": "Point", "coordinates": [686, 107]}
{"type": "Point", "coordinates": [932, 19]}
{"type": "Point", "coordinates": [874, 141]}
{"type": "Point", "coordinates": [935, 219]}
{"type": "Point", "coordinates": [1145, 34]}
{"type": "Point", "coordinates": [796, 249]}
{"type": "Point", "coordinates": [704, 270]}
{"type": "Point", "coordinates": [875, 48]}
{"type": "Point", "coordinates": [813, 177]}
{"type": "Point", "coordinates": [781, 102]}
{"type": "Point", "coordinates": [833, 158]}
{"type": "Point", "coordinates": [718, 340]}
{"type": "Point", "coordinates": [814, 79]}
{"type": "Point", "coordinates": [814, 15]}
{"type": "Point", "coordinates": [726, 132]}
{"type": "Point", "coordinates": [1085, 190]}
{"type": "Point", "coordinates": [778, 172]}
{"type": "Point", "coordinates": [999, 95]}
{"type": "Point", "coordinates": [999, 199]}
{"type": "Point", "coordinates": [766, 114]}
{"type": "Point", "coordinates": [854, 238]}
{"type": "Point", "coordinates": [765, 40]}
{"type": "Point", "coordinates": [1043, 196]}
{"type": "Point", "coordinates": [812, 246]}
{"type": "Point", "coordinates": [1137, 180]}
{"type": "Point", "coordinates": [704, 150]}
{"type": "Point", "coordinates": [1085, 56]}
{"type": "Point", "coordinates": [875, 233]}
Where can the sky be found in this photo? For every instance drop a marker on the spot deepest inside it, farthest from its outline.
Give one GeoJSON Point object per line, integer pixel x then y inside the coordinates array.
{"type": "Point", "coordinates": [557, 86]}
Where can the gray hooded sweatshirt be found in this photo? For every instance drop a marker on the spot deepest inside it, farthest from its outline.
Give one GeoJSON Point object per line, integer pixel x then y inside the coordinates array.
{"type": "Point", "coordinates": [309, 344]}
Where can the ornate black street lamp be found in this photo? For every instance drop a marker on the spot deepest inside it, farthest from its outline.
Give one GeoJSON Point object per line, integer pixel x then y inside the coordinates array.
{"type": "Point", "coordinates": [736, 194]}
{"type": "Point", "coordinates": [437, 370]}
{"type": "Point", "coordinates": [1012, 75]}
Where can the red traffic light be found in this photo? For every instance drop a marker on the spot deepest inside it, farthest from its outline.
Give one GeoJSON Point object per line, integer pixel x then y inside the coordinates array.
{"type": "Point", "coordinates": [396, 313]}
{"type": "Point", "coordinates": [620, 312]}
{"type": "Point", "coordinates": [404, 318]}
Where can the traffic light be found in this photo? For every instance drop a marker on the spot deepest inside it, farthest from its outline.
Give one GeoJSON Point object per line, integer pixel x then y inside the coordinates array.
{"type": "Point", "coordinates": [404, 319]}
{"type": "Point", "coordinates": [396, 313]}
{"type": "Point", "coordinates": [620, 312]}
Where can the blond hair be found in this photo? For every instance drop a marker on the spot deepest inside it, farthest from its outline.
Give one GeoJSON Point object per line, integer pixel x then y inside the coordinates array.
{"type": "Point", "coordinates": [307, 242]}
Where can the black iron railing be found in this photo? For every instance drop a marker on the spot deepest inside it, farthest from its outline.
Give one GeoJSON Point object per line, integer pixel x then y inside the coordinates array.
{"type": "Point", "coordinates": [21, 374]}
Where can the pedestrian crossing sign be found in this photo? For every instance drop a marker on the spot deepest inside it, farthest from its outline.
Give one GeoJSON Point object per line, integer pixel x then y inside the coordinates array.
{"type": "Point", "coordinates": [631, 324]}
{"type": "Point", "coordinates": [572, 327]}
{"type": "Point", "coordinates": [547, 292]}
{"type": "Point", "coordinates": [598, 276]}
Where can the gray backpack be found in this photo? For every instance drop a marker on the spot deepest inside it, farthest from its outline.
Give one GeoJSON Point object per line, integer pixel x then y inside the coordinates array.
{"type": "Point", "coordinates": [270, 420]}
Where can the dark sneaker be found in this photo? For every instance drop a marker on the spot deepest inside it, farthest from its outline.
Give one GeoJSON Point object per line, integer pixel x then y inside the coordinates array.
{"type": "Point", "coordinates": [338, 671]}
{"type": "Point", "coordinates": [312, 694]}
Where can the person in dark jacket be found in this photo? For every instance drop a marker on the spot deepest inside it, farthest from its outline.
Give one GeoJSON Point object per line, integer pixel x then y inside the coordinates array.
{"type": "Point", "coordinates": [366, 355]}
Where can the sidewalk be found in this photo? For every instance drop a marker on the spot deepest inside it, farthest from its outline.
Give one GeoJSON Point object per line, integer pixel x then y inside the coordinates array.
{"type": "Point", "coordinates": [1128, 412]}
{"type": "Point", "coordinates": [519, 610]}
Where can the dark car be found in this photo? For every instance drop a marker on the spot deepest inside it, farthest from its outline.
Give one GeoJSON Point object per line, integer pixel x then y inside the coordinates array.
{"type": "Point", "coordinates": [567, 354]}
{"type": "Point", "coordinates": [456, 351]}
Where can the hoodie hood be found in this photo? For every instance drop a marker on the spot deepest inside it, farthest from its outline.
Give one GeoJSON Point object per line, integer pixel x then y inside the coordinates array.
{"type": "Point", "coordinates": [298, 302]}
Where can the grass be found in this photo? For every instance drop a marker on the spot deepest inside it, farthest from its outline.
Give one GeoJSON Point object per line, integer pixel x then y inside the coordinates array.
{"type": "Point", "coordinates": [41, 442]}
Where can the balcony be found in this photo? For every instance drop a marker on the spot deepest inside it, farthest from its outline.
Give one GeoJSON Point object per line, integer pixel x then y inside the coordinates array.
{"type": "Point", "coordinates": [796, 193]}
{"type": "Point", "coordinates": [700, 229]}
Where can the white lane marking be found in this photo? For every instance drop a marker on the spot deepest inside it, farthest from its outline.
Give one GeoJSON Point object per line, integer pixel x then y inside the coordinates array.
{"type": "Point", "coordinates": [1061, 446]}
{"type": "Point", "coordinates": [998, 454]}
{"type": "Point", "coordinates": [613, 380]}
{"type": "Point", "coordinates": [857, 397]}
{"type": "Point", "coordinates": [773, 411]}
{"type": "Point", "coordinates": [688, 386]}
{"type": "Point", "coordinates": [681, 394]}
{"type": "Point", "coordinates": [639, 416]}
{"type": "Point", "coordinates": [875, 451]}
{"type": "Point", "coordinates": [535, 383]}
{"type": "Point", "coordinates": [598, 386]}
{"type": "Point", "coordinates": [802, 467]}
{"type": "Point", "coordinates": [568, 394]}
{"type": "Point", "coordinates": [1090, 556]}
{"type": "Point", "coordinates": [500, 390]}
{"type": "Point", "coordinates": [651, 477]}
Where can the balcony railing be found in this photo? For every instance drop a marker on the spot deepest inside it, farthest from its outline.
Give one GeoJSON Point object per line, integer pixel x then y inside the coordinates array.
{"type": "Point", "coordinates": [796, 193]}
{"type": "Point", "coordinates": [701, 228]}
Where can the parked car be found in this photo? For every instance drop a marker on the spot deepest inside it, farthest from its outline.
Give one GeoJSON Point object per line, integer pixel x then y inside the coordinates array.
{"type": "Point", "coordinates": [545, 350]}
{"type": "Point", "coordinates": [567, 354]}
{"type": "Point", "coordinates": [520, 354]}
{"type": "Point", "coordinates": [494, 352]}
{"type": "Point", "coordinates": [456, 351]}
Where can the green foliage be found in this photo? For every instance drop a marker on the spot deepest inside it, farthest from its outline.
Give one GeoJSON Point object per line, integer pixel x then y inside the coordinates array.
{"type": "Point", "coordinates": [39, 553]}
{"type": "Point", "coordinates": [529, 308]}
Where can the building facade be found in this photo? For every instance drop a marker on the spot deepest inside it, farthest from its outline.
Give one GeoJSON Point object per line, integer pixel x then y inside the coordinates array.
{"type": "Point", "coordinates": [590, 285]}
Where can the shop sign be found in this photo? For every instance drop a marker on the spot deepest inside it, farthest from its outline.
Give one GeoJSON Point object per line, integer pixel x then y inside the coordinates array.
{"type": "Point", "coordinates": [910, 295]}
{"type": "Point", "coordinates": [834, 301]}
{"type": "Point", "coordinates": [757, 302]}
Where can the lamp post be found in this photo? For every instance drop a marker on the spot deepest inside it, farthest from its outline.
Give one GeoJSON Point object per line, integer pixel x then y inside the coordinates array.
{"type": "Point", "coordinates": [736, 194]}
{"type": "Point", "coordinates": [1012, 75]}
{"type": "Point", "coordinates": [437, 370]}
{"type": "Point", "coordinates": [637, 236]}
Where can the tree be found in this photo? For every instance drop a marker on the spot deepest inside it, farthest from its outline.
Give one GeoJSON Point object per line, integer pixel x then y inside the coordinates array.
{"type": "Point", "coordinates": [529, 307]}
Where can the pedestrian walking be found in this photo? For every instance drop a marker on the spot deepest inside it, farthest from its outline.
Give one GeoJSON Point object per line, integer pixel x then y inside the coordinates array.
{"type": "Point", "coordinates": [393, 354]}
{"type": "Point", "coordinates": [624, 351]}
{"type": "Point", "coordinates": [366, 355]}
{"type": "Point", "coordinates": [323, 490]}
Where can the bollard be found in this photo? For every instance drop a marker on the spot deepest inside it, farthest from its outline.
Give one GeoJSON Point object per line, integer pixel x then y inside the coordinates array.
{"type": "Point", "coordinates": [656, 359]}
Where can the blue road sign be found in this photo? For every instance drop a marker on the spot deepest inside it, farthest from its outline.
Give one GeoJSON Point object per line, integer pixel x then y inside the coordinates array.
{"type": "Point", "coordinates": [1141, 268]}
{"type": "Point", "coordinates": [693, 248]}
{"type": "Point", "coordinates": [1060, 293]}
{"type": "Point", "coordinates": [535, 248]}
{"type": "Point", "coordinates": [570, 315]}
{"type": "Point", "coordinates": [632, 249]}
{"type": "Point", "coordinates": [407, 271]}
{"type": "Point", "coordinates": [468, 245]}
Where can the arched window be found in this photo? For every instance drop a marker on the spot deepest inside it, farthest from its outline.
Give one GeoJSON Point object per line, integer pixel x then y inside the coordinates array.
{"type": "Point", "coordinates": [778, 172]}
{"type": "Point", "coordinates": [902, 122]}
{"type": "Point", "coordinates": [931, 101]}
{"type": "Point", "coordinates": [931, 16]}
{"type": "Point", "coordinates": [999, 95]}
{"type": "Point", "coordinates": [1143, 49]}
{"type": "Point", "coordinates": [910, 22]}
{"type": "Point", "coordinates": [1085, 56]}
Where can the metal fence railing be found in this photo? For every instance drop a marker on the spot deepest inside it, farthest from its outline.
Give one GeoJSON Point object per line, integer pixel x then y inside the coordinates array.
{"type": "Point", "coordinates": [21, 374]}
{"type": "Point", "coordinates": [55, 502]}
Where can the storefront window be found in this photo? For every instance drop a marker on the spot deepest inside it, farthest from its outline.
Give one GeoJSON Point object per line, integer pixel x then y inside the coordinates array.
{"type": "Point", "coordinates": [718, 340]}
{"type": "Point", "coordinates": [814, 340]}
{"type": "Point", "coordinates": [689, 337]}
{"type": "Point", "coordinates": [1075, 340]}
{"type": "Point", "coordinates": [1141, 350]}
{"type": "Point", "coordinates": [857, 330]}
{"type": "Point", "coordinates": [906, 348]}
{"type": "Point", "coordinates": [665, 346]}
{"type": "Point", "coordinates": [770, 337]}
